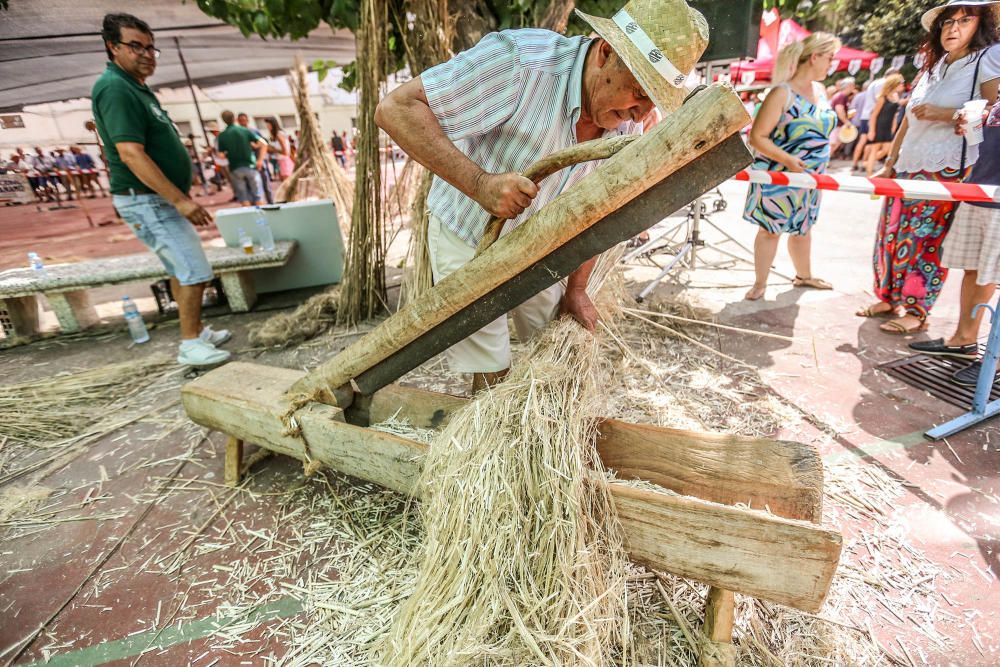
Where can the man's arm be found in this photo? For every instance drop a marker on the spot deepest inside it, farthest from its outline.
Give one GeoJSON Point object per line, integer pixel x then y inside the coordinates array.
{"type": "Point", "coordinates": [134, 156]}
{"type": "Point", "coordinates": [406, 116]}
{"type": "Point", "coordinates": [261, 148]}
{"type": "Point", "coordinates": [575, 301]}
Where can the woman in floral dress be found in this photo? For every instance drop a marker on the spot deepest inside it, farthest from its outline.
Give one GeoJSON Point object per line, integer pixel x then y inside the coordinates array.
{"type": "Point", "coordinates": [907, 258]}
{"type": "Point", "coordinates": [791, 133]}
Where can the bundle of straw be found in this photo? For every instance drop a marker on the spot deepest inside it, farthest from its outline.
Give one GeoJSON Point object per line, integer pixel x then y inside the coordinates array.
{"type": "Point", "coordinates": [523, 561]}
{"type": "Point", "coordinates": [43, 411]}
{"type": "Point", "coordinates": [363, 293]}
{"type": "Point", "coordinates": [316, 164]}
{"type": "Point", "coordinates": [399, 201]}
{"type": "Point", "coordinates": [418, 277]}
{"type": "Point", "coordinates": [307, 321]}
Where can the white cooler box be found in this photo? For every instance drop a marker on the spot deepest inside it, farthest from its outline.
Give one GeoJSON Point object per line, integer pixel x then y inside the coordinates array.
{"type": "Point", "coordinates": [319, 257]}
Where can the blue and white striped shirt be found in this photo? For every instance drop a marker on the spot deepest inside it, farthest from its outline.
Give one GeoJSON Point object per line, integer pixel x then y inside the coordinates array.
{"type": "Point", "coordinates": [507, 102]}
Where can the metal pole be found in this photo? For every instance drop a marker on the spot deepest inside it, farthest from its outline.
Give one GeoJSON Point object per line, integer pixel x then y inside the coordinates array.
{"type": "Point", "coordinates": [197, 109]}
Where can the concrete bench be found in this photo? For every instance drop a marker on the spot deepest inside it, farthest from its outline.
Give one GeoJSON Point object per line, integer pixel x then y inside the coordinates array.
{"type": "Point", "coordinates": [65, 285]}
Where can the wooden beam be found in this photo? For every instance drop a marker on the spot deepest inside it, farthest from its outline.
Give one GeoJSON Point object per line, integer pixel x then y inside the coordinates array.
{"type": "Point", "coordinates": [755, 553]}
{"type": "Point", "coordinates": [232, 468]}
{"type": "Point", "coordinates": [248, 402]}
{"type": "Point", "coordinates": [782, 476]}
{"type": "Point", "coordinates": [720, 613]}
{"type": "Point", "coordinates": [747, 551]}
{"type": "Point", "coordinates": [444, 315]}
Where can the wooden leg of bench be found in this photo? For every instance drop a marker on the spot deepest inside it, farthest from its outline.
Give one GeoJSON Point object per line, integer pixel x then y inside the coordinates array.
{"type": "Point", "coordinates": [20, 315]}
{"type": "Point", "coordinates": [239, 289]}
{"type": "Point", "coordinates": [234, 461]}
{"type": "Point", "coordinates": [73, 310]}
{"type": "Point", "coordinates": [718, 630]}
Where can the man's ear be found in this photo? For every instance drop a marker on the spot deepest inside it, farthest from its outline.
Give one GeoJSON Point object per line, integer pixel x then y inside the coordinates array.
{"type": "Point", "coordinates": [604, 53]}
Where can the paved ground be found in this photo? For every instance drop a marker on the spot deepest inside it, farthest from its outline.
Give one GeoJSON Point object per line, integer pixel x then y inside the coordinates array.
{"type": "Point", "coordinates": [89, 582]}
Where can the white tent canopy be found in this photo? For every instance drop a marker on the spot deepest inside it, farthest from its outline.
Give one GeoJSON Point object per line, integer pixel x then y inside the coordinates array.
{"type": "Point", "coordinates": [52, 51]}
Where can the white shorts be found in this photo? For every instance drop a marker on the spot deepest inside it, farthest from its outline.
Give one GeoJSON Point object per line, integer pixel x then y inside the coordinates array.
{"type": "Point", "coordinates": [487, 350]}
{"type": "Point", "coordinates": [973, 243]}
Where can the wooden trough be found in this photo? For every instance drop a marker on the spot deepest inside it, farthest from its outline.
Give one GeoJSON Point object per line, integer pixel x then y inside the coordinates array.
{"type": "Point", "coordinates": [771, 546]}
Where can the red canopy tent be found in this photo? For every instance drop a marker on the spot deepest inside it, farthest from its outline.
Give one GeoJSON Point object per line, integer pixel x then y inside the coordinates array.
{"type": "Point", "coordinates": [774, 34]}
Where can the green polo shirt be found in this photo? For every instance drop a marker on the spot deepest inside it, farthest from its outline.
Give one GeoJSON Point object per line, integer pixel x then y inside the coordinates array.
{"type": "Point", "coordinates": [235, 140]}
{"type": "Point", "coordinates": [126, 110]}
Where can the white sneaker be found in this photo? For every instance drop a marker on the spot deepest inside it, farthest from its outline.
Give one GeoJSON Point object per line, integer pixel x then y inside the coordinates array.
{"type": "Point", "coordinates": [196, 352]}
{"type": "Point", "coordinates": [214, 337]}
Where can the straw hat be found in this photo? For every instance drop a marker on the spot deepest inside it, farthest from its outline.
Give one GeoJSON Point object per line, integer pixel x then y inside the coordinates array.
{"type": "Point", "coordinates": [660, 42]}
{"type": "Point", "coordinates": [927, 20]}
{"type": "Point", "coordinates": [847, 133]}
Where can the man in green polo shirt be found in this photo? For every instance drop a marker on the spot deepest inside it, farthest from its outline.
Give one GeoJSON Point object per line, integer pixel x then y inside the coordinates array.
{"type": "Point", "coordinates": [150, 178]}
{"type": "Point", "coordinates": [238, 143]}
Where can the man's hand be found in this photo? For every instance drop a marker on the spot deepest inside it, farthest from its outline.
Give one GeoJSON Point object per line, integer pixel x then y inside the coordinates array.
{"type": "Point", "coordinates": [260, 165]}
{"type": "Point", "coordinates": [194, 212]}
{"type": "Point", "coordinates": [575, 302]}
{"type": "Point", "coordinates": [504, 195]}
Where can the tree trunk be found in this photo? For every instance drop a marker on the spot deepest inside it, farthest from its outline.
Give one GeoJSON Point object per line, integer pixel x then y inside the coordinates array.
{"type": "Point", "coordinates": [473, 19]}
{"type": "Point", "coordinates": [556, 15]}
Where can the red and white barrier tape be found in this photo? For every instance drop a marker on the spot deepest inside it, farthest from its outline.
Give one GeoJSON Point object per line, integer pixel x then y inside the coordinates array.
{"type": "Point", "coordinates": [890, 187]}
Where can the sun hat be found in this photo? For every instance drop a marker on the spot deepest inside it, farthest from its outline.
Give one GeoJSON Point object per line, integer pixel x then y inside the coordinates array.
{"type": "Point", "coordinates": [660, 41]}
{"type": "Point", "coordinates": [927, 20]}
{"type": "Point", "coordinates": [847, 133]}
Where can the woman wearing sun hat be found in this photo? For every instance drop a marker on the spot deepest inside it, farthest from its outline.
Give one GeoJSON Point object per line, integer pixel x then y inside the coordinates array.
{"type": "Point", "coordinates": [907, 258]}
{"type": "Point", "coordinates": [791, 133]}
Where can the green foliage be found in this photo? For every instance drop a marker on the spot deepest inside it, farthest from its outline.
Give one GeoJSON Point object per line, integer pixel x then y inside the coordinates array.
{"type": "Point", "coordinates": [322, 67]}
{"type": "Point", "coordinates": [605, 8]}
{"type": "Point", "coordinates": [296, 18]}
{"type": "Point", "coordinates": [891, 27]}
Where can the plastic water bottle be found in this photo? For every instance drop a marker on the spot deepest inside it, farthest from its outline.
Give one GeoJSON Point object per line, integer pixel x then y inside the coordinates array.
{"type": "Point", "coordinates": [35, 262]}
{"type": "Point", "coordinates": [136, 327]}
{"type": "Point", "coordinates": [264, 234]}
{"type": "Point", "coordinates": [246, 241]}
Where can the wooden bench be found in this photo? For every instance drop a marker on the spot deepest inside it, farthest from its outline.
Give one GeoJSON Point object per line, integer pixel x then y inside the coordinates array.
{"type": "Point", "coordinates": [65, 285]}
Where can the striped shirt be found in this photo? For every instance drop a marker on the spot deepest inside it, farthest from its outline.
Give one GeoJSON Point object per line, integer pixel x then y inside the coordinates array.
{"type": "Point", "coordinates": [507, 102]}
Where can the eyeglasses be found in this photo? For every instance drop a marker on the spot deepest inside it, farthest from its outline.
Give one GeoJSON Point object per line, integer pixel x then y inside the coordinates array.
{"type": "Point", "coordinates": [963, 22]}
{"type": "Point", "coordinates": [139, 49]}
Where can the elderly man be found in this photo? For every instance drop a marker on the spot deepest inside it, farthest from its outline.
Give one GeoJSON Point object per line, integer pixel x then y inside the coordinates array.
{"type": "Point", "coordinates": [490, 112]}
{"type": "Point", "coordinates": [151, 175]}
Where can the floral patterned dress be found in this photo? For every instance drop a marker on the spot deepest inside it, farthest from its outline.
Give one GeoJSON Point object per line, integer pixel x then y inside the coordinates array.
{"type": "Point", "coordinates": [803, 131]}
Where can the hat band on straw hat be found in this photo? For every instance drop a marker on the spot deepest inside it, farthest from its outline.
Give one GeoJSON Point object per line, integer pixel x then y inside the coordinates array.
{"type": "Point", "coordinates": [656, 58]}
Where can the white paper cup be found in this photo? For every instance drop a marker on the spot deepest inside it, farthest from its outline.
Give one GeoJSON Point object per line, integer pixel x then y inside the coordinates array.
{"type": "Point", "coordinates": [973, 111]}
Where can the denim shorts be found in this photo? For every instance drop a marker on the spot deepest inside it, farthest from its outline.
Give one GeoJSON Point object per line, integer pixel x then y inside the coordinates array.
{"type": "Point", "coordinates": [246, 185]}
{"type": "Point", "coordinates": [167, 233]}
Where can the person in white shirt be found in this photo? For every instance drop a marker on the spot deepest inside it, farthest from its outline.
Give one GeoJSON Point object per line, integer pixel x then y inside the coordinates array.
{"type": "Point", "coordinates": [959, 67]}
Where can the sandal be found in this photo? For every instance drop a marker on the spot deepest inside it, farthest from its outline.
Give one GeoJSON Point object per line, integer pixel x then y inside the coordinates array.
{"type": "Point", "coordinates": [870, 311]}
{"type": "Point", "coordinates": [814, 283]}
{"type": "Point", "coordinates": [896, 328]}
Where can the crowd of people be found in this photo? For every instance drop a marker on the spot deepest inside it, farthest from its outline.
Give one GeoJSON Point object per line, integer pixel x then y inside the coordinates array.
{"type": "Point", "coordinates": [61, 173]}
{"type": "Point", "coordinates": [72, 173]}
{"type": "Point", "coordinates": [922, 133]}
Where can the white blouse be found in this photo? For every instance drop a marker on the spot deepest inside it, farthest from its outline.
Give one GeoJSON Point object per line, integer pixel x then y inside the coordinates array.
{"type": "Point", "coordinates": [932, 145]}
